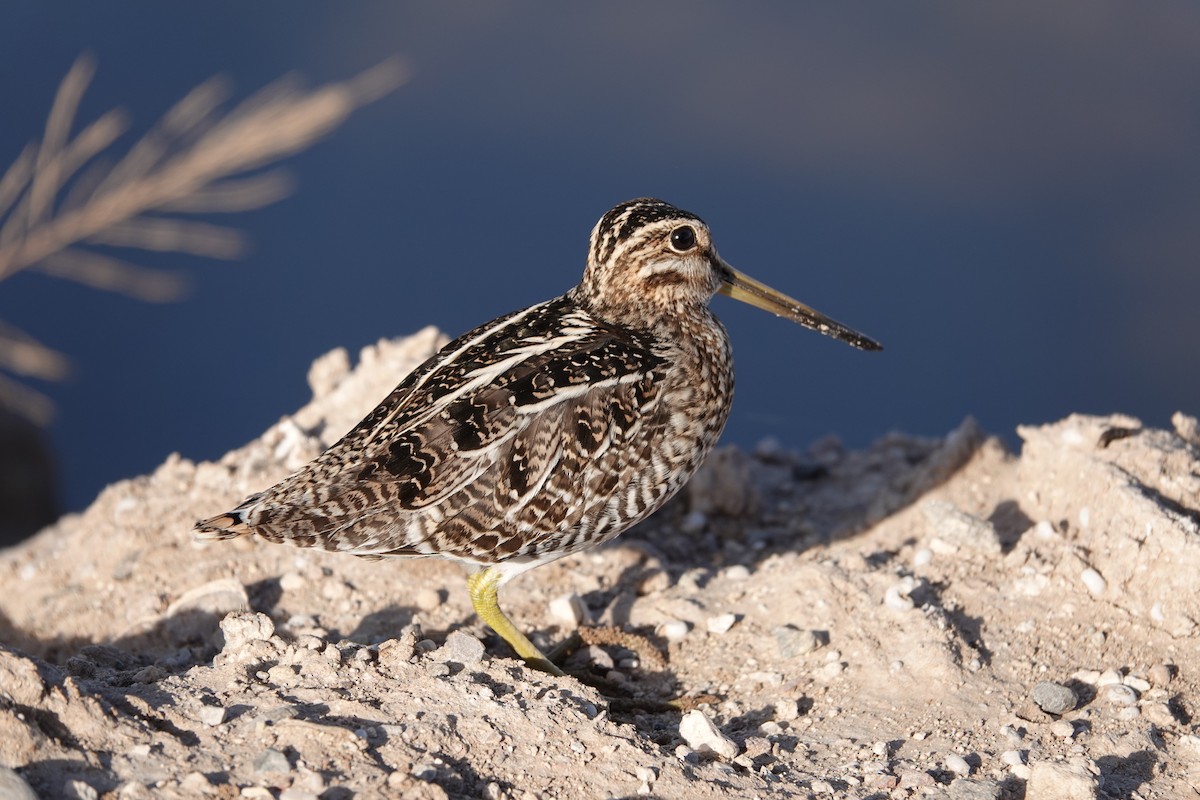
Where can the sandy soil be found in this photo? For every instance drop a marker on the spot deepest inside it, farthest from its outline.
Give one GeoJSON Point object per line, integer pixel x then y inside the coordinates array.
{"type": "Point", "coordinates": [926, 618]}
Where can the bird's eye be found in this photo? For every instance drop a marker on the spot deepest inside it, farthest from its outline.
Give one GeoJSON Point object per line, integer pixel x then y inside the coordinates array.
{"type": "Point", "coordinates": [683, 239]}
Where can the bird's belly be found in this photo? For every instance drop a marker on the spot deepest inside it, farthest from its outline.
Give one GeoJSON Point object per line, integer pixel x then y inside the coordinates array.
{"type": "Point", "coordinates": [632, 480]}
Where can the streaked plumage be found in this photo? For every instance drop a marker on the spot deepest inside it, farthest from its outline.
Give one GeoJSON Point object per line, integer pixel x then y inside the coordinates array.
{"type": "Point", "coordinates": [543, 432]}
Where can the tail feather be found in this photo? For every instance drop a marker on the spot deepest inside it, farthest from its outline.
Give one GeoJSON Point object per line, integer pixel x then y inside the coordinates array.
{"type": "Point", "coordinates": [223, 526]}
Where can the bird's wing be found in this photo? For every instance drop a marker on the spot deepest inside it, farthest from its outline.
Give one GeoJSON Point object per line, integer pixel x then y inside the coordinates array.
{"type": "Point", "coordinates": [485, 448]}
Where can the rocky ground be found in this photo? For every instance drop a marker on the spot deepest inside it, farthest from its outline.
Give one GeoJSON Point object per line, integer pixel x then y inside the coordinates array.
{"type": "Point", "coordinates": [926, 618]}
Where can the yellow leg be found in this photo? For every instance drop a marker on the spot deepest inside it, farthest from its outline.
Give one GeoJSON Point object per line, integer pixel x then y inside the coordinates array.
{"type": "Point", "coordinates": [484, 587]}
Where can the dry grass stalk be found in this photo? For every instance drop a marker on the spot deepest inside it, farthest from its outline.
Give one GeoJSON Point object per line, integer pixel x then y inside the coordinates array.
{"type": "Point", "coordinates": [196, 160]}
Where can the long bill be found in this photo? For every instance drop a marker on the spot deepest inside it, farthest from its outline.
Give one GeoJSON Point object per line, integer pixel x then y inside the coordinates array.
{"type": "Point", "coordinates": [742, 287]}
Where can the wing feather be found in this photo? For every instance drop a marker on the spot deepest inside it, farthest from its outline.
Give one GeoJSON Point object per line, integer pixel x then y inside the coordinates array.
{"type": "Point", "coordinates": [482, 450]}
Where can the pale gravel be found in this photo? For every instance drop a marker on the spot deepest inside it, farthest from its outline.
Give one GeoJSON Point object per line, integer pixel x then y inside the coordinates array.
{"type": "Point", "coordinates": [139, 664]}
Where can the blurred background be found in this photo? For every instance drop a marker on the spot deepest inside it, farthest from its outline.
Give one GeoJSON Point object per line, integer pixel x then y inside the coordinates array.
{"type": "Point", "coordinates": [1006, 195]}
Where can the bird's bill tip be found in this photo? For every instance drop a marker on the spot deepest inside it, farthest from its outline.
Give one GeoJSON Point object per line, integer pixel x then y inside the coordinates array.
{"type": "Point", "coordinates": [742, 287]}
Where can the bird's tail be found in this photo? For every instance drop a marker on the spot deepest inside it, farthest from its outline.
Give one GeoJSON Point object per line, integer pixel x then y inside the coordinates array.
{"type": "Point", "coordinates": [223, 526]}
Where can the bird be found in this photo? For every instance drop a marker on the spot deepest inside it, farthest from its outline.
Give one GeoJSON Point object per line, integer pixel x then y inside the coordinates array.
{"type": "Point", "coordinates": [544, 432]}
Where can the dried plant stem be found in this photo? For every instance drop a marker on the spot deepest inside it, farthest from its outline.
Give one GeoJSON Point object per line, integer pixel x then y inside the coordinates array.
{"type": "Point", "coordinates": [193, 161]}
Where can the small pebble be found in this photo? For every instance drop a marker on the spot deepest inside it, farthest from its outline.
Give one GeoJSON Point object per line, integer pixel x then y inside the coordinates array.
{"type": "Point", "coordinates": [270, 760]}
{"type": "Point", "coordinates": [1088, 676]}
{"type": "Point", "coordinates": [673, 630]}
{"type": "Point", "coordinates": [827, 672]}
{"type": "Point", "coordinates": [569, 609]}
{"type": "Point", "coordinates": [1051, 781]}
{"type": "Point", "coordinates": [1141, 685]}
{"type": "Point", "coordinates": [957, 764]}
{"type": "Point", "coordinates": [212, 716]}
{"type": "Point", "coordinates": [1012, 758]}
{"type": "Point", "coordinates": [1127, 713]}
{"type": "Point", "coordinates": [292, 581]}
{"type": "Point", "coordinates": [1160, 675]}
{"type": "Point", "coordinates": [1109, 677]}
{"type": "Point", "coordinates": [1054, 698]}
{"type": "Point", "coordinates": [787, 710]}
{"type": "Point", "coordinates": [241, 627]}
{"type": "Point", "coordinates": [277, 713]}
{"type": "Point", "coordinates": [1011, 734]}
{"type": "Point", "coordinates": [973, 789]}
{"type": "Point", "coordinates": [296, 793]}
{"type": "Point", "coordinates": [335, 590]}
{"type": "Point", "coordinates": [194, 783]}
{"type": "Point", "coordinates": [694, 522]}
{"type": "Point", "coordinates": [704, 737]}
{"type": "Point", "coordinates": [460, 648]}
{"type": "Point", "coordinates": [1094, 581]}
{"type": "Point", "coordinates": [882, 781]}
{"type": "Point", "coordinates": [424, 772]}
{"type": "Point", "coordinates": [721, 623]}
{"type": "Point", "coordinates": [794, 642]}
{"type": "Point", "coordinates": [764, 678]}
{"type": "Point", "coordinates": [80, 790]}
{"type": "Point", "coordinates": [303, 621]}
{"type": "Point", "coordinates": [284, 675]}
{"type": "Point", "coordinates": [961, 529]}
{"type": "Point", "coordinates": [916, 779]}
{"type": "Point", "coordinates": [593, 656]}
{"type": "Point", "coordinates": [428, 599]}
{"type": "Point", "coordinates": [768, 448]}
{"type": "Point", "coordinates": [1119, 694]}
{"type": "Point", "coordinates": [922, 557]}
{"type": "Point", "coordinates": [1062, 729]}
{"type": "Point", "coordinates": [896, 597]}
{"type": "Point", "coordinates": [738, 572]}
{"type": "Point", "coordinates": [1158, 714]}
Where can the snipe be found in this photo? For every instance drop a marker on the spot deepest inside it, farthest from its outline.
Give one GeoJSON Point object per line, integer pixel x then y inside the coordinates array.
{"type": "Point", "coordinates": [543, 432]}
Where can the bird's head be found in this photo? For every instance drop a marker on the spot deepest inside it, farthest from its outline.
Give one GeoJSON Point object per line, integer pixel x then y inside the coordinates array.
{"type": "Point", "coordinates": [649, 259]}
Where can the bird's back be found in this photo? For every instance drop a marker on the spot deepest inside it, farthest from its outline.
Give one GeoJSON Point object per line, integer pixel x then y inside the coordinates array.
{"type": "Point", "coordinates": [536, 435]}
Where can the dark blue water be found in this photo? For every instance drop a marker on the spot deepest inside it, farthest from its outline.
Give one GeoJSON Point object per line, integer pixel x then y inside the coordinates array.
{"type": "Point", "coordinates": [1006, 196]}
